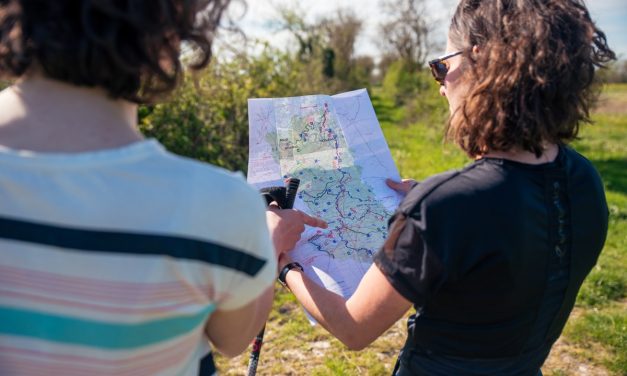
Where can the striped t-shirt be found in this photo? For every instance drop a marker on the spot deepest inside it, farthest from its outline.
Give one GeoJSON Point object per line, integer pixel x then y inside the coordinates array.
{"type": "Point", "coordinates": [111, 262]}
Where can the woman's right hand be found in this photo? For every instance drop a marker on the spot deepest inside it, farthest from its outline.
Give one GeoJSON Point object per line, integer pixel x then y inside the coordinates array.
{"type": "Point", "coordinates": [286, 226]}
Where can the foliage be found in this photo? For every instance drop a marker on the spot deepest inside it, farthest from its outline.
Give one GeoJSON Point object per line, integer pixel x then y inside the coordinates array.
{"type": "Point", "coordinates": [361, 73]}
{"type": "Point", "coordinates": [327, 48]}
{"type": "Point", "coordinates": [340, 35]}
{"type": "Point", "coordinates": [399, 82]}
{"type": "Point", "coordinates": [416, 92]}
{"type": "Point", "coordinates": [406, 30]}
{"type": "Point", "coordinates": [615, 73]}
{"type": "Point", "coordinates": [207, 118]}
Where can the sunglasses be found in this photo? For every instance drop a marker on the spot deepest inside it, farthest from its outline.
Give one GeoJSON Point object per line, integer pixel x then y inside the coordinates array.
{"type": "Point", "coordinates": [439, 67]}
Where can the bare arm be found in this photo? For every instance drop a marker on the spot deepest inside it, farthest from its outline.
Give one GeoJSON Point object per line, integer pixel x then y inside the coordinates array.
{"type": "Point", "coordinates": [231, 331]}
{"type": "Point", "coordinates": [374, 307]}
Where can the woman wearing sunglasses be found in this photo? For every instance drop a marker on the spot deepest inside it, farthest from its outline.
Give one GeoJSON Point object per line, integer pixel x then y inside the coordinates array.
{"type": "Point", "coordinates": [491, 256]}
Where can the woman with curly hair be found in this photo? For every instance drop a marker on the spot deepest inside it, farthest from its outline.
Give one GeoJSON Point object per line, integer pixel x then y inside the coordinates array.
{"type": "Point", "coordinates": [491, 256]}
{"type": "Point", "coordinates": [119, 257]}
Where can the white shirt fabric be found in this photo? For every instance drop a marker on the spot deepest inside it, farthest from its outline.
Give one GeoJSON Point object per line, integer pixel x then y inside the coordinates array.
{"type": "Point", "coordinates": [112, 261]}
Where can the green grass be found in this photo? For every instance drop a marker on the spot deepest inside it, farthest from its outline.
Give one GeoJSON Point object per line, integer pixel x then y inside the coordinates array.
{"type": "Point", "coordinates": [418, 149]}
{"type": "Point", "coordinates": [604, 144]}
{"type": "Point", "coordinates": [601, 329]}
{"type": "Point", "coordinates": [595, 336]}
{"type": "Point", "coordinates": [613, 90]}
{"type": "Point", "coordinates": [607, 327]}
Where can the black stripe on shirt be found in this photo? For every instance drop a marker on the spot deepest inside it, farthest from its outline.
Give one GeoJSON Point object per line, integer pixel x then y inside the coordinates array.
{"type": "Point", "coordinates": [130, 243]}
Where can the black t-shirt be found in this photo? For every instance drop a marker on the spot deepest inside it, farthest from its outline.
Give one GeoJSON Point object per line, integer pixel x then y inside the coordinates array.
{"type": "Point", "coordinates": [492, 256]}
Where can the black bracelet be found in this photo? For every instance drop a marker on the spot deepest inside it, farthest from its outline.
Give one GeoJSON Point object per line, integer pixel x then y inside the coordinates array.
{"type": "Point", "coordinates": [287, 268]}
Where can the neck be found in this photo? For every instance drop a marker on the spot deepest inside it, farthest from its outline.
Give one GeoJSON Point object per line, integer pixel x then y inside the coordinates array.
{"type": "Point", "coordinates": [523, 156]}
{"type": "Point", "coordinates": [45, 115]}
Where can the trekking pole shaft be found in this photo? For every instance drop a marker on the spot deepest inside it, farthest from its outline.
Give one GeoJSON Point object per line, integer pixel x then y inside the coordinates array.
{"type": "Point", "coordinates": [290, 196]}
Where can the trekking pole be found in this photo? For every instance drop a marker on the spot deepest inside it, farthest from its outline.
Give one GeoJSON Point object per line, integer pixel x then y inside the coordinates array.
{"type": "Point", "coordinates": [290, 196]}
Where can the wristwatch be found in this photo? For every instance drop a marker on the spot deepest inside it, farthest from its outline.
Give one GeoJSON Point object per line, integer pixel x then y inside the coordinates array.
{"type": "Point", "coordinates": [287, 268]}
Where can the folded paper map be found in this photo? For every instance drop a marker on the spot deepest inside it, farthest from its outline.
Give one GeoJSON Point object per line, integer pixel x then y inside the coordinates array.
{"type": "Point", "coordinates": [335, 146]}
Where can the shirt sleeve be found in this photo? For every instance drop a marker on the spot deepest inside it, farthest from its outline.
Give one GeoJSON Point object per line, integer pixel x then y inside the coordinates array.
{"type": "Point", "coordinates": [411, 267]}
{"type": "Point", "coordinates": [255, 240]}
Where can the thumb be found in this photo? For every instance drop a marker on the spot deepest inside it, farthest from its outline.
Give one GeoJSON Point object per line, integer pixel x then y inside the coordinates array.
{"type": "Point", "coordinates": [401, 186]}
{"type": "Point", "coordinates": [395, 185]}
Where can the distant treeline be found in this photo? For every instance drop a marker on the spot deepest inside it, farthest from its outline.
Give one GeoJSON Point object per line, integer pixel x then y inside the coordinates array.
{"type": "Point", "coordinates": [207, 118]}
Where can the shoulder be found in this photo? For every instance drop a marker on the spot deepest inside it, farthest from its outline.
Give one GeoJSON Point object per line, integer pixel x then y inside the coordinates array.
{"type": "Point", "coordinates": [210, 182]}
{"type": "Point", "coordinates": [578, 165]}
{"type": "Point", "coordinates": [216, 203]}
{"type": "Point", "coordinates": [584, 181]}
{"type": "Point", "coordinates": [454, 186]}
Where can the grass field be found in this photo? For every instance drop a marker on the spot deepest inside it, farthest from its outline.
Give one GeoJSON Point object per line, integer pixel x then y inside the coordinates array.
{"type": "Point", "coordinates": [595, 339]}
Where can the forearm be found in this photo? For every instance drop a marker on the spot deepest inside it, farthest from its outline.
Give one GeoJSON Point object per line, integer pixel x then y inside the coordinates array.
{"type": "Point", "coordinates": [329, 310]}
{"type": "Point", "coordinates": [372, 309]}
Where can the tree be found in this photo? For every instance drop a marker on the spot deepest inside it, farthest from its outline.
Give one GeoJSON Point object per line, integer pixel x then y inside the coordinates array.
{"type": "Point", "coordinates": [327, 49]}
{"type": "Point", "coordinates": [340, 36]}
{"type": "Point", "coordinates": [385, 61]}
{"type": "Point", "coordinates": [616, 72]}
{"type": "Point", "coordinates": [363, 71]}
{"type": "Point", "coordinates": [405, 32]}
{"type": "Point", "coordinates": [207, 117]}
{"type": "Point", "coordinates": [306, 34]}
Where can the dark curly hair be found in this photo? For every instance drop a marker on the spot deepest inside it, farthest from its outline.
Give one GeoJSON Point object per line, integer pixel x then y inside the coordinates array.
{"type": "Point", "coordinates": [531, 81]}
{"type": "Point", "coordinates": [130, 48]}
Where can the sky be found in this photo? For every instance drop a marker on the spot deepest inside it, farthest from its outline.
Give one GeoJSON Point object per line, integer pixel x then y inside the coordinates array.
{"type": "Point", "coordinates": [261, 15]}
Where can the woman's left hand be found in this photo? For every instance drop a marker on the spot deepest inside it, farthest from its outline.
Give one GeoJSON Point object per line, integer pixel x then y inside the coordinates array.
{"type": "Point", "coordinates": [403, 186]}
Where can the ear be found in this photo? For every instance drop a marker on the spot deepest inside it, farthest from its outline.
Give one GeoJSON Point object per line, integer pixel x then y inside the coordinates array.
{"type": "Point", "coordinates": [475, 50]}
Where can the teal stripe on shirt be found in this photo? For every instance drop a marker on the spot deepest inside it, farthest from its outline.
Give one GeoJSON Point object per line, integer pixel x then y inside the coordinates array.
{"type": "Point", "coordinates": [100, 334]}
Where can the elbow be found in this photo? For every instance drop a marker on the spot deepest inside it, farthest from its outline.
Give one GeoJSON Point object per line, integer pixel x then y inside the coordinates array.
{"type": "Point", "coordinates": [354, 335]}
{"type": "Point", "coordinates": [355, 343]}
{"type": "Point", "coordinates": [356, 346]}
{"type": "Point", "coordinates": [231, 351]}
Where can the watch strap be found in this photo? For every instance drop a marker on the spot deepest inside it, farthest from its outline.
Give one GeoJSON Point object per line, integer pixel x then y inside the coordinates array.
{"type": "Point", "coordinates": [287, 268]}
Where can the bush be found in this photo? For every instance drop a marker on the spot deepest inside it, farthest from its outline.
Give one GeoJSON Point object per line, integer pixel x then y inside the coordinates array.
{"type": "Point", "coordinates": [415, 90]}
{"type": "Point", "coordinates": [207, 117]}
{"type": "Point", "coordinates": [400, 82]}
